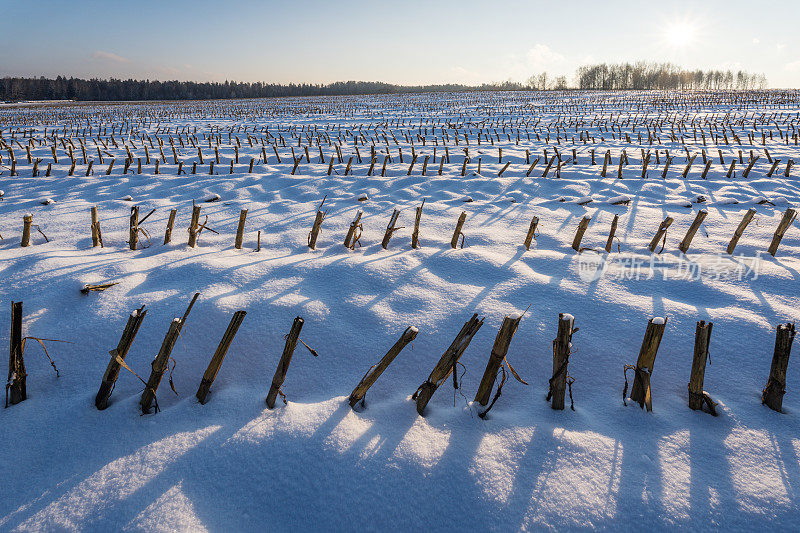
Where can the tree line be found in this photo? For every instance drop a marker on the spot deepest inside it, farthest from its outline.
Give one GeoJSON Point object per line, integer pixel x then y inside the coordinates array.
{"type": "Point", "coordinates": [643, 75]}
{"type": "Point", "coordinates": [619, 76]}
{"type": "Point", "coordinates": [62, 88]}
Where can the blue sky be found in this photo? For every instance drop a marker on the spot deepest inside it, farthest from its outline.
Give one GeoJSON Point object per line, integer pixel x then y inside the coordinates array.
{"type": "Point", "coordinates": [406, 42]}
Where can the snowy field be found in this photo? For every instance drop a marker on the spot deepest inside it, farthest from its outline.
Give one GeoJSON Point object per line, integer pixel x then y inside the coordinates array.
{"type": "Point", "coordinates": [317, 464]}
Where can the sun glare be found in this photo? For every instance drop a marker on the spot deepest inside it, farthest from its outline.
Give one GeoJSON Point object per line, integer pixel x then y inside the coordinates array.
{"type": "Point", "coordinates": [679, 34]}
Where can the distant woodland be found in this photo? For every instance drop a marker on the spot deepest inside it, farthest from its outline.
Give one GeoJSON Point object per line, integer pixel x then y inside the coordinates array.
{"type": "Point", "coordinates": [664, 76]}
{"type": "Point", "coordinates": [620, 76]}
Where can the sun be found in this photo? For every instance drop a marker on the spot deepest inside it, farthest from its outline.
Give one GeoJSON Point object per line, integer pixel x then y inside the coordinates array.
{"type": "Point", "coordinates": [679, 34]}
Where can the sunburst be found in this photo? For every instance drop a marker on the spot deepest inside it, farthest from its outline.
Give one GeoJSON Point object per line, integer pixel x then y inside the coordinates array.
{"type": "Point", "coordinates": [680, 34]}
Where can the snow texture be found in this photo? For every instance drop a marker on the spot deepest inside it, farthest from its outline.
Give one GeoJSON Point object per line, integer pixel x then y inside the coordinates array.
{"type": "Point", "coordinates": [233, 464]}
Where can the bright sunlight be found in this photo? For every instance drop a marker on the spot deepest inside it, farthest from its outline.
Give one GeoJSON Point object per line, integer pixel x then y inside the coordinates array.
{"type": "Point", "coordinates": [679, 34]}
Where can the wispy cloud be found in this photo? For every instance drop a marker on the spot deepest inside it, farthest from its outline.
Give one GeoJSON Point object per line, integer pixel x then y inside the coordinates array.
{"type": "Point", "coordinates": [729, 65]}
{"type": "Point", "coordinates": [518, 66]}
{"type": "Point", "coordinates": [110, 56]}
{"type": "Point", "coordinates": [168, 71]}
{"type": "Point", "coordinates": [542, 56]}
{"type": "Point", "coordinates": [184, 72]}
{"type": "Point", "coordinates": [461, 74]}
{"type": "Point", "coordinates": [794, 66]}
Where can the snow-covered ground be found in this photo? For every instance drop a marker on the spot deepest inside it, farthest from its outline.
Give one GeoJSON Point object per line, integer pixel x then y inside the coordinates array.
{"type": "Point", "coordinates": [233, 464]}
